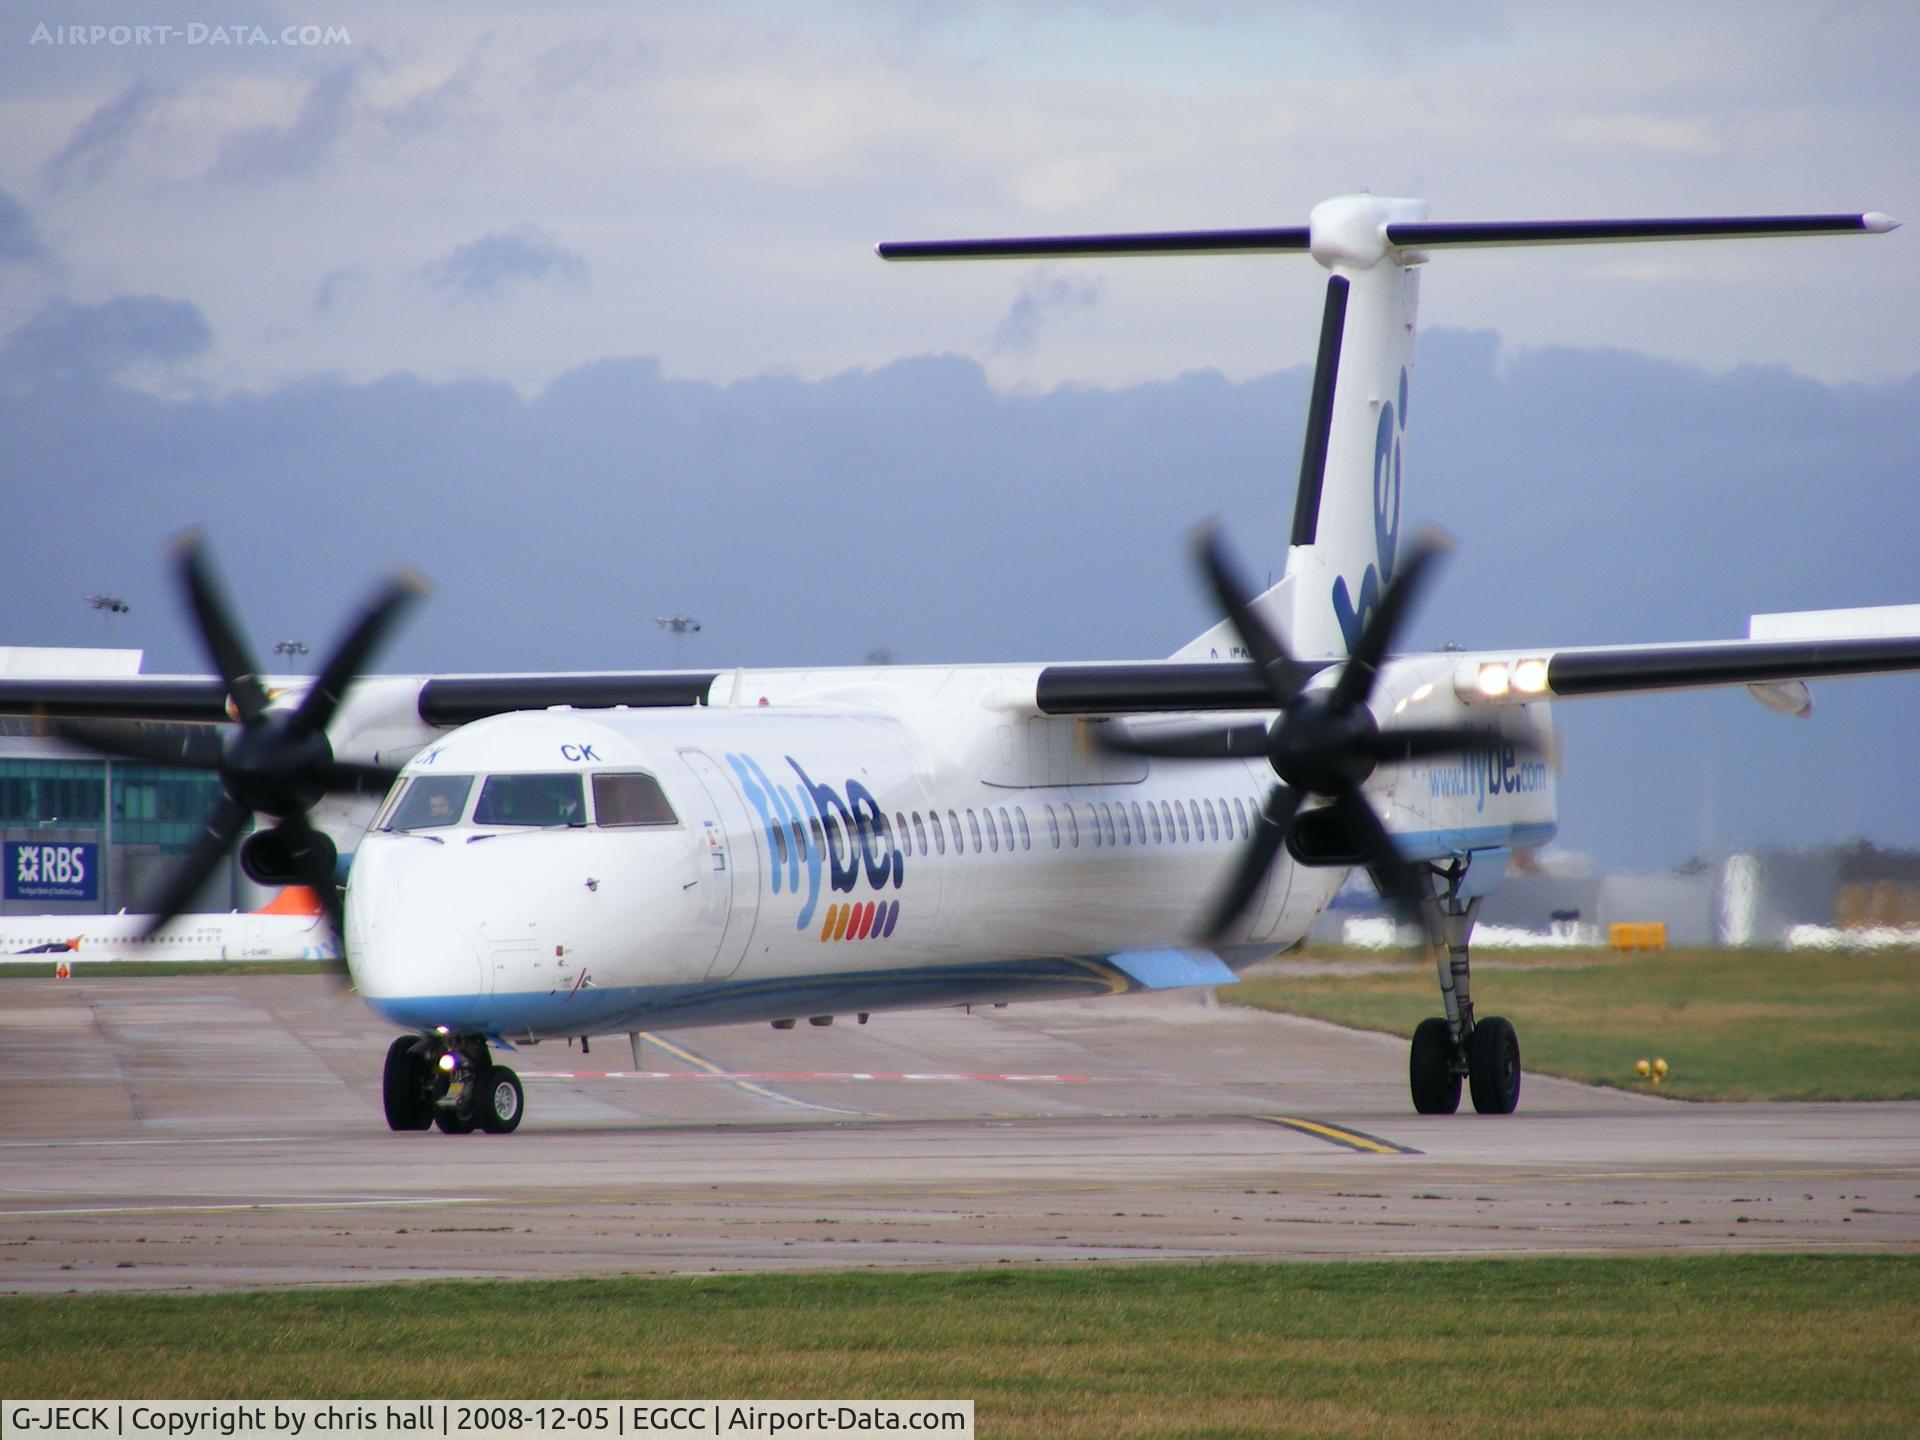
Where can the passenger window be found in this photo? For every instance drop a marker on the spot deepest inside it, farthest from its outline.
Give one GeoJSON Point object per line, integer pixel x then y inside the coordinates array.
{"type": "Point", "coordinates": [900, 829]}
{"type": "Point", "coordinates": [1006, 829]}
{"type": "Point", "coordinates": [1026, 835]}
{"type": "Point", "coordinates": [799, 840]}
{"type": "Point", "coordinates": [1106, 822]}
{"type": "Point", "coordinates": [779, 841]}
{"type": "Point", "coordinates": [920, 832]}
{"type": "Point", "coordinates": [1153, 819]}
{"type": "Point", "coordinates": [620, 800]}
{"type": "Point", "coordinates": [1073, 829]}
{"type": "Point", "coordinates": [1093, 826]}
{"type": "Point", "coordinates": [939, 835]}
{"type": "Point", "coordinates": [837, 841]}
{"type": "Point", "coordinates": [1240, 816]}
{"type": "Point", "coordinates": [1199, 825]}
{"type": "Point", "coordinates": [430, 802]}
{"type": "Point", "coordinates": [973, 824]}
{"type": "Point", "coordinates": [1213, 821]}
{"type": "Point", "coordinates": [959, 840]}
{"type": "Point", "coordinates": [1126, 830]}
{"type": "Point", "coordinates": [993, 836]}
{"type": "Point", "coordinates": [1166, 815]}
{"type": "Point", "coordinates": [1053, 826]}
{"type": "Point", "coordinates": [531, 800]}
{"type": "Point", "coordinates": [1139, 822]}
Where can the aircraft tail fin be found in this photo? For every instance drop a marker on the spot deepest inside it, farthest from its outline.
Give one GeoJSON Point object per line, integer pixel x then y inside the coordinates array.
{"type": "Point", "coordinates": [1347, 503]}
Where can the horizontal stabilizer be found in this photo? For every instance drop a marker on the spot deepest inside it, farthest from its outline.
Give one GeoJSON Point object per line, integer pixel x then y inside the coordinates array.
{"type": "Point", "coordinates": [1462, 235]}
{"type": "Point", "coordinates": [1265, 240]}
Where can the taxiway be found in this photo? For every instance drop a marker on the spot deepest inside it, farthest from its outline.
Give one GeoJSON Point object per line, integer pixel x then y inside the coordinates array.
{"type": "Point", "coordinates": [216, 1132]}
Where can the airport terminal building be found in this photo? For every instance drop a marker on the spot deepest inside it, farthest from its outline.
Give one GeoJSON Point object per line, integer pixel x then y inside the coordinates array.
{"type": "Point", "coordinates": [80, 835]}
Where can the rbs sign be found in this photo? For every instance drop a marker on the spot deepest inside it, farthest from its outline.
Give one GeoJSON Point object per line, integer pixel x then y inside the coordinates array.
{"type": "Point", "coordinates": [36, 871]}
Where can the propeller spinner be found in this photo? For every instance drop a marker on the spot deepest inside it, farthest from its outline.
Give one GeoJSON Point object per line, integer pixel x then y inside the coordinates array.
{"type": "Point", "coordinates": [1324, 743]}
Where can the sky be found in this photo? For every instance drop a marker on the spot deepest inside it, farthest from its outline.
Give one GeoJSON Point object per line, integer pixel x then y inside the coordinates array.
{"type": "Point", "coordinates": [575, 309]}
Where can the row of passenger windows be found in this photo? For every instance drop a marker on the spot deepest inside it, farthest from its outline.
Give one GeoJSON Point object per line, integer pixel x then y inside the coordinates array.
{"type": "Point", "coordinates": [993, 829]}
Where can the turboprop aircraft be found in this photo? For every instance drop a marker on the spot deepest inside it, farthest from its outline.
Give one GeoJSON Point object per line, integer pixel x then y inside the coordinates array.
{"type": "Point", "coordinates": [292, 926]}
{"type": "Point", "coordinates": [564, 855]}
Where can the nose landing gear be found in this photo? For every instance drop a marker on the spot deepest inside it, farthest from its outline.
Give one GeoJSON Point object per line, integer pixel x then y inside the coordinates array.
{"type": "Point", "coordinates": [449, 1082]}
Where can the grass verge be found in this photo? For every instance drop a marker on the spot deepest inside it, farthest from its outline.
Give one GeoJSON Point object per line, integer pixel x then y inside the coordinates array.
{"type": "Point", "coordinates": [1582, 1347]}
{"type": "Point", "coordinates": [1732, 1024]}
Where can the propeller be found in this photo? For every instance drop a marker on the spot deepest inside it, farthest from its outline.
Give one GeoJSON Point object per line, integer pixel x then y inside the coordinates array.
{"type": "Point", "coordinates": [1325, 743]}
{"type": "Point", "coordinates": [278, 762]}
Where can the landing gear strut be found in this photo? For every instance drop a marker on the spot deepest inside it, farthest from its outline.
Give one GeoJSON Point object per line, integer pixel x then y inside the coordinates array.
{"type": "Point", "coordinates": [449, 1082]}
{"type": "Point", "coordinates": [1454, 1047]}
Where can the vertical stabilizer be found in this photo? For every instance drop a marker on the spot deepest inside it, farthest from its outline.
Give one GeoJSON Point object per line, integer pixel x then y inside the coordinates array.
{"type": "Point", "coordinates": [1346, 518]}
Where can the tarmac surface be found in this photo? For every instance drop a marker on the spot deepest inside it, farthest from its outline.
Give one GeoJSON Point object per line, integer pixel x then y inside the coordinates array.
{"type": "Point", "coordinates": [197, 1133]}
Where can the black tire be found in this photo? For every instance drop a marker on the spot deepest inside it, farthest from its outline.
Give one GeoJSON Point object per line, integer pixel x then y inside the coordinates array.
{"type": "Point", "coordinates": [1493, 1067]}
{"type": "Point", "coordinates": [501, 1102]}
{"type": "Point", "coordinates": [1436, 1089]}
{"type": "Point", "coordinates": [403, 1086]}
{"type": "Point", "coordinates": [451, 1122]}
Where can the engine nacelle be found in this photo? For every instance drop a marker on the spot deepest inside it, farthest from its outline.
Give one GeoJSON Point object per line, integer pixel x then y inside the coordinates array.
{"type": "Point", "coordinates": [280, 857]}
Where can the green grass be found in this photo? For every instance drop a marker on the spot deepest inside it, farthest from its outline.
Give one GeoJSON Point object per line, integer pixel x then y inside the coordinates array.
{"type": "Point", "coordinates": [1603, 1347]}
{"type": "Point", "coordinates": [1732, 1024]}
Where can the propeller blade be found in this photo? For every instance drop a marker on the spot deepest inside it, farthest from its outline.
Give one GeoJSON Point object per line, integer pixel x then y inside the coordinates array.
{"type": "Point", "coordinates": [1218, 742]}
{"type": "Point", "coordinates": [1268, 652]}
{"type": "Point", "coordinates": [1409, 576]}
{"type": "Point", "coordinates": [358, 777]}
{"type": "Point", "coordinates": [186, 747]}
{"type": "Point", "coordinates": [223, 828]}
{"type": "Point", "coordinates": [1401, 882]}
{"type": "Point", "coordinates": [351, 654]}
{"type": "Point", "coordinates": [1256, 857]}
{"type": "Point", "coordinates": [1420, 742]}
{"type": "Point", "coordinates": [229, 652]}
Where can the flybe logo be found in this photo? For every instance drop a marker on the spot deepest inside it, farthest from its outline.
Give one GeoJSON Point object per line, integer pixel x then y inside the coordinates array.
{"type": "Point", "coordinates": [1498, 769]}
{"type": "Point", "coordinates": [1352, 611]}
{"type": "Point", "coordinates": [817, 833]}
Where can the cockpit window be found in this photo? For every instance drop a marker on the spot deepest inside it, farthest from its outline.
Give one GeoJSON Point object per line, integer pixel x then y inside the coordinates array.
{"type": "Point", "coordinates": [430, 801]}
{"type": "Point", "coordinates": [631, 800]}
{"type": "Point", "coordinates": [531, 800]}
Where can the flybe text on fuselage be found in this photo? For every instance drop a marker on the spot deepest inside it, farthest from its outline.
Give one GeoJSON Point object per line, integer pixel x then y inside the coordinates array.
{"type": "Point", "coordinates": [800, 820]}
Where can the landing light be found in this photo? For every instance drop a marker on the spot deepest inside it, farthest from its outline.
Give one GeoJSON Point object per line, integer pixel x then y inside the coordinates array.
{"type": "Point", "coordinates": [449, 1062]}
{"type": "Point", "coordinates": [1493, 681]}
{"type": "Point", "coordinates": [1530, 677]}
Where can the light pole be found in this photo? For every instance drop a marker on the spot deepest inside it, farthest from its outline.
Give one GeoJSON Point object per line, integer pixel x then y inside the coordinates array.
{"type": "Point", "coordinates": [289, 648]}
{"type": "Point", "coordinates": [108, 606]}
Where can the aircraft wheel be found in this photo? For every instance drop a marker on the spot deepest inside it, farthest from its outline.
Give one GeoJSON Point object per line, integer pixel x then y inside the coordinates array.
{"type": "Point", "coordinates": [1493, 1067]}
{"type": "Point", "coordinates": [452, 1122]}
{"type": "Point", "coordinates": [1436, 1089]}
{"type": "Point", "coordinates": [501, 1102]}
{"type": "Point", "coordinates": [403, 1086]}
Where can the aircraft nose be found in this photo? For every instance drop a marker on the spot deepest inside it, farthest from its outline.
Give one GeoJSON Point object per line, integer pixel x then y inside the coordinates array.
{"type": "Point", "coordinates": [420, 972]}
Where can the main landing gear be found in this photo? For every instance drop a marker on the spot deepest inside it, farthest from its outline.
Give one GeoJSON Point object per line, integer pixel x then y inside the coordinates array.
{"type": "Point", "coordinates": [449, 1081]}
{"type": "Point", "coordinates": [1454, 1047]}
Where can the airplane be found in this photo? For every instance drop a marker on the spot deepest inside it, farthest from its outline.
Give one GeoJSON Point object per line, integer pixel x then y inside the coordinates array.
{"type": "Point", "coordinates": [594, 854]}
{"type": "Point", "coordinates": [291, 926]}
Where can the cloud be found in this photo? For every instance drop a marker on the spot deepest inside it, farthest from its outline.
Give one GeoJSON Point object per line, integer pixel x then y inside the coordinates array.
{"type": "Point", "coordinates": [294, 150]}
{"type": "Point", "coordinates": [486, 268]}
{"type": "Point", "coordinates": [20, 241]}
{"type": "Point", "coordinates": [99, 142]}
{"type": "Point", "coordinates": [1044, 297]}
{"type": "Point", "coordinates": [67, 338]}
{"type": "Point", "coordinates": [336, 287]}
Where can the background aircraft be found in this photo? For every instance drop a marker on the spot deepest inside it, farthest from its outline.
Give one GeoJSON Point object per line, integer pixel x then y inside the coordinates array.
{"type": "Point", "coordinates": [293, 926]}
{"type": "Point", "coordinates": [582, 854]}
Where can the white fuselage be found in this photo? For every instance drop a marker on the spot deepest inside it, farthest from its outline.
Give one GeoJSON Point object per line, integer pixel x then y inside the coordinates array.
{"type": "Point", "coordinates": [234, 936]}
{"type": "Point", "coordinates": [845, 842]}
